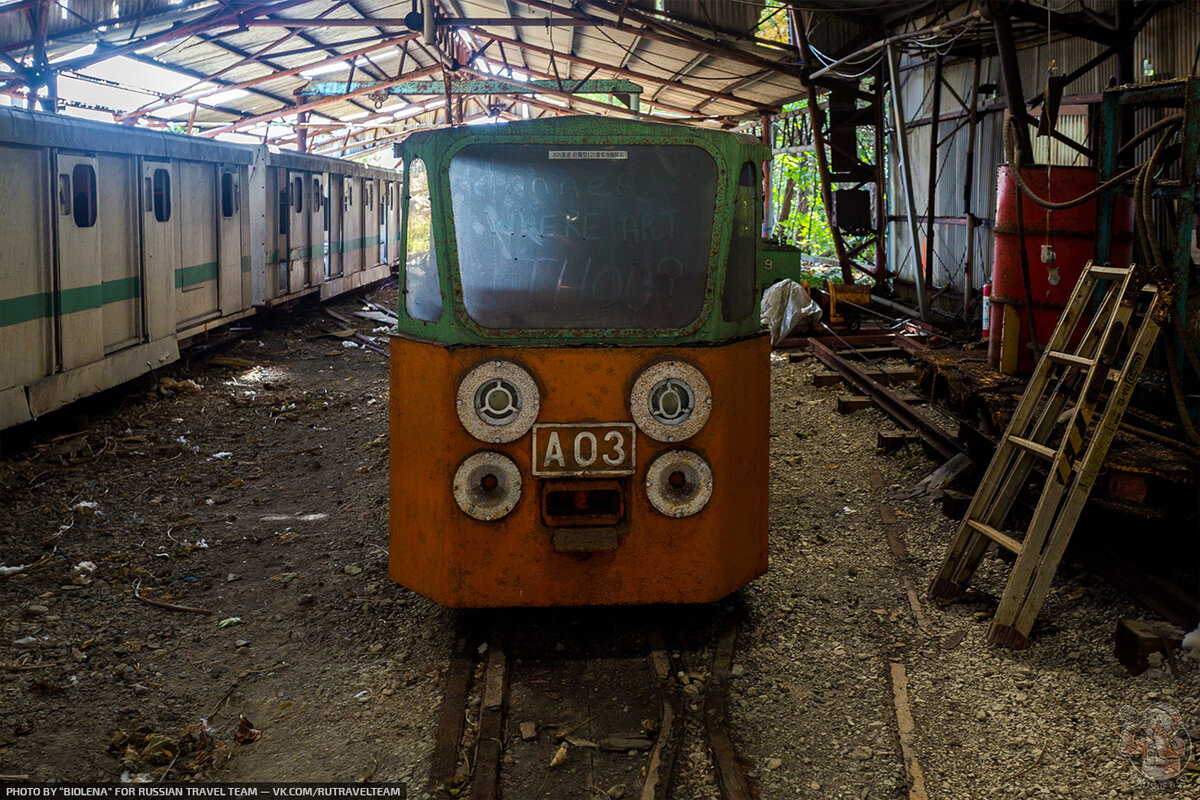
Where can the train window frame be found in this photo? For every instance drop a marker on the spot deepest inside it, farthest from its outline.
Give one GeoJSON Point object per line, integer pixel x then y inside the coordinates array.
{"type": "Point", "coordinates": [161, 194]}
{"type": "Point", "coordinates": [227, 195]}
{"type": "Point", "coordinates": [316, 191]}
{"type": "Point", "coordinates": [715, 241]}
{"type": "Point", "coordinates": [414, 306]}
{"type": "Point", "coordinates": [83, 187]}
{"type": "Point", "coordinates": [64, 195]}
{"type": "Point", "coordinates": [738, 295]}
{"type": "Point", "coordinates": [296, 191]}
{"type": "Point", "coordinates": [285, 210]}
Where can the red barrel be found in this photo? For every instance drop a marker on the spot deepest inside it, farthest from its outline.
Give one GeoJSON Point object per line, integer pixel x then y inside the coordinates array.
{"type": "Point", "coordinates": [1072, 234]}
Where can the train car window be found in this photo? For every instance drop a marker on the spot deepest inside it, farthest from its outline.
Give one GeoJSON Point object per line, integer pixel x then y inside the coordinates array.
{"type": "Point", "coordinates": [298, 194]}
{"type": "Point", "coordinates": [162, 195]}
{"type": "Point", "coordinates": [226, 195]}
{"type": "Point", "coordinates": [422, 291]}
{"type": "Point", "coordinates": [367, 195]}
{"type": "Point", "coordinates": [738, 301]}
{"type": "Point", "coordinates": [316, 194]}
{"type": "Point", "coordinates": [561, 236]}
{"type": "Point", "coordinates": [284, 208]}
{"type": "Point", "coordinates": [83, 196]}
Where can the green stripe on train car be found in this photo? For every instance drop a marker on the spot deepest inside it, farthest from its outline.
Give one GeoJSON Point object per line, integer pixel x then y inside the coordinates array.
{"type": "Point", "coordinates": [120, 290]}
{"type": "Point", "coordinates": [15, 310]}
{"type": "Point", "coordinates": [200, 273]}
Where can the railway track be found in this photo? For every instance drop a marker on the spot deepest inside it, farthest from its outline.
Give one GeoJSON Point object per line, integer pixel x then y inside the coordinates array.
{"type": "Point", "coordinates": [581, 703]}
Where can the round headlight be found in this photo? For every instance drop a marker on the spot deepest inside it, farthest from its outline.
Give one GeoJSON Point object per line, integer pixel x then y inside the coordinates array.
{"type": "Point", "coordinates": [487, 485]}
{"type": "Point", "coordinates": [679, 483]}
{"type": "Point", "coordinates": [670, 401]}
{"type": "Point", "coordinates": [497, 402]}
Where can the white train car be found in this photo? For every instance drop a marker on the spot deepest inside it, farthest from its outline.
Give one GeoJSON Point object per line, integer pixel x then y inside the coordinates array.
{"type": "Point", "coordinates": [121, 244]}
{"type": "Point", "coordinates": [333, 225]}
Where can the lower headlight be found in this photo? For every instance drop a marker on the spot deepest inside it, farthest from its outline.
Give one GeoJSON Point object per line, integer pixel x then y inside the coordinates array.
{"type": "Point", "coordinates": [487, 485]}
{"type": "Point", "coordinates": [679, 483]}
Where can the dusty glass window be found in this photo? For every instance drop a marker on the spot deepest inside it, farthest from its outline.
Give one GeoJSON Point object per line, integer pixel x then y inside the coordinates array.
{"type": "Point", "coordinates": [570, 236]}
{"type": "Point", "coordinates": [226, 195]}
{"type": "Point", "coordinates": [422, 293]}
{"type": "Point", "coordinates": [83, 179]}
{"type": "Point", "coordinates": [162, 195]}
{"type": "Point", "coordinates": [738, 300]}
{"type": "Point", "coordinates": [298, 194]}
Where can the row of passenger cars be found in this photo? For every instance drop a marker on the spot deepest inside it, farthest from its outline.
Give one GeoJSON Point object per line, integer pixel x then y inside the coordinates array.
{"type": "Point", "coordinates": [119, 245]}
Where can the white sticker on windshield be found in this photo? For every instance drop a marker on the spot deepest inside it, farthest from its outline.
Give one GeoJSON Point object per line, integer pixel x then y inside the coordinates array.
{"type": "Point", "coordinates": [603, 155]}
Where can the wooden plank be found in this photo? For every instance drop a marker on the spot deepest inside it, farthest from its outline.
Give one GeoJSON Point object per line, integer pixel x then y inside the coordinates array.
{"type": "Point", "coordinates": [489, 748]}
{"type": "Point", "coordinates": [887, 516]}
{"type": "Point", "coordinates": [450, 723]}
{"type": "Point", "coordinates": [1135, 640]}
{"type": "Point", "coordinates": [907, 729]}
{"type": "Point", "coordinates": [731, 776]}
{"type": "Point", "coordinates": [886, 376]}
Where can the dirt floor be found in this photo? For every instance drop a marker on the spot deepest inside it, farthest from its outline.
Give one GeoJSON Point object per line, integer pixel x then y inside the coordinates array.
{"type": "Point", "coordinates": [258, 494]}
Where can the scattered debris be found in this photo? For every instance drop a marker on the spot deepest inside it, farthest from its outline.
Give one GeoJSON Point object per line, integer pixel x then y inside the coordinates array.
{"type": "Point", "coordinates": [163, 604]}
{"type": "Point", "coordinates": [560, 756]}
{"type": "Point", "coordinates": [229, 622]}
{"type": "Point", "coordinates": [528, 731]}
{"type": "Point", "coordinates": [246, 732]}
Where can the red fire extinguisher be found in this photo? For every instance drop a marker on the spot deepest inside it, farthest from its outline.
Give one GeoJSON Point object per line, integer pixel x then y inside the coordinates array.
{"type": "Point", "coordinates": [987, 308]}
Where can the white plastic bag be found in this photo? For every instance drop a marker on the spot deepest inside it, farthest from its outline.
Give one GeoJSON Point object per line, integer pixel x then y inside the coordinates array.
{"type": "Point", "coordinates": [787, 307]}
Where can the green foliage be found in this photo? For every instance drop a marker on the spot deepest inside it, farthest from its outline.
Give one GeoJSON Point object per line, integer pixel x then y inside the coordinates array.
{"type": "Point", "coordinates": [773, 24]}
{"type": "Point", "coordinates": [807, 225]}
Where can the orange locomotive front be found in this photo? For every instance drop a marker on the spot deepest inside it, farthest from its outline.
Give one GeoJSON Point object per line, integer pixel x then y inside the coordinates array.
{"type": "Point", "coordinates": [579, 386]}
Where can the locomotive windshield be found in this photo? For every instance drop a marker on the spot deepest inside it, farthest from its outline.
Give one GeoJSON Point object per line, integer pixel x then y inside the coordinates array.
{"type": "Point", "coordinates": [571, 236]}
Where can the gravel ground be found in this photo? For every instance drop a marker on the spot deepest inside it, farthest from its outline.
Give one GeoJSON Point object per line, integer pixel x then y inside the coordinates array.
{"type": "Point", "coordinates": [815, 702]}
{"type": "Point", "coordinates": [260, 494]}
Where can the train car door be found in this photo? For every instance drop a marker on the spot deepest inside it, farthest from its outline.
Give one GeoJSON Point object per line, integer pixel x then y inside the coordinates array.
{"type": "Point", "coordinates": [229, 239]}
{"type": "Point", "coordinates": [298, 233]}
{"type": "Point", "coordinates": [383, 220]}
{"type": "Point", "coordinates": [335, 208]}
{"type": "Point", "coordinates": [198, 279]}
{"type": "Point", "coordinates": [120, 279]}
{"type": "Point", "coordinates": [79, 294]}
{"type": "Point", "coordinates": [352, 227]}
{"type": "Point", "coordinates": [318, 251]}
{"type": "Point", "coordinates": [160, 247]}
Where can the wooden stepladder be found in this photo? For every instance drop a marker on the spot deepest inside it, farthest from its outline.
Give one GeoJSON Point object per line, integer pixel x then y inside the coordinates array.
{"type": "Point", "coordinates": [1087, 365]}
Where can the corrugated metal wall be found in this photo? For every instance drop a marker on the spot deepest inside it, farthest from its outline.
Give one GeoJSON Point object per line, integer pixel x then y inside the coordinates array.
{"type": "Point", "coordinates": [1169, 45]}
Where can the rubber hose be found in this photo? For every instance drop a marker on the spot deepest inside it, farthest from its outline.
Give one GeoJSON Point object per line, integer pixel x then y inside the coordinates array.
{"type": "Point", "coordinates": [1013, 155]}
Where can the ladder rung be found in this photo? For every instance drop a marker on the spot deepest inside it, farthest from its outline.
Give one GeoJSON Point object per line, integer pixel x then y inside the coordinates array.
{"type": "Point", "coordinates": [1116, 273]}
{"type": "Point", "coordinates": [1039, 450]}
{"type": "Point", "coordinates": [1002, 539]}
{"type": "Point", "coordinates": [1070, 358]}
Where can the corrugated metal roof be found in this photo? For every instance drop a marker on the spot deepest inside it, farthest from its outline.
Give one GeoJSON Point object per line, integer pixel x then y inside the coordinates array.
{"type": "Point", "coordinates": [696, 60]}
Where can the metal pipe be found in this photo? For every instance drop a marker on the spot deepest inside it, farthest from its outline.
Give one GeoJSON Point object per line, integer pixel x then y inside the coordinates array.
{"type": "Point", "coordinates": [968, 189]}
{"type": "Point", "coordinates": [935, 112]}
{"type": "Point", "coordinates": [906, 174]}
{"type": "Point", "coordinates": [1009, 67]}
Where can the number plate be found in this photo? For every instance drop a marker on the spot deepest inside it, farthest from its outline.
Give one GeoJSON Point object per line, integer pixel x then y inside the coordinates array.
{"type": "Point", "coordinates": [583, 449]}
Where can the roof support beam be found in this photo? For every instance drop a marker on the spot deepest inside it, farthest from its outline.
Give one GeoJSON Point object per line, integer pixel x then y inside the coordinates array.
{"type": "Point", "coordinates": [667, 34]}
{"type": "Point", "coordinates": [324, 101]}
{"type": "Point", "coordinates": [246, 84]}
{"type": "Point", "coordinates": [636, 76]}
{"type": "Point", "coordinates": [222, 18]}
